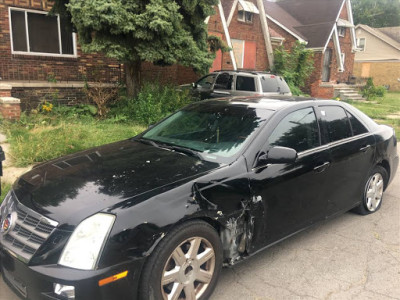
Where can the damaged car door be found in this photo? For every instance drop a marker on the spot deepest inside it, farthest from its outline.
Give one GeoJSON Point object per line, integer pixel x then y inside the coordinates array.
{"type": "Point", "coordinates": [289, 191]}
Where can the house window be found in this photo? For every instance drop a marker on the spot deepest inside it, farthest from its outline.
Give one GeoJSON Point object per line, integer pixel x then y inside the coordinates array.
{"type": "Point", "coordinates": [37, 33]}
{"type": "Point", "coordinates": [342, 31]}
{"type": "Point", "coordinates": [245, 16]}
{"type": "Point", "coordinates": [361, 44]}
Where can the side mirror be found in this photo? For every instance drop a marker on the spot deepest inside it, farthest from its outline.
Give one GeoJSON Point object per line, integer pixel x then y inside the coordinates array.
{"type": "Point", "coordinates": [194, 85]}
{"type": "Point", "coordinates": [278, 155]}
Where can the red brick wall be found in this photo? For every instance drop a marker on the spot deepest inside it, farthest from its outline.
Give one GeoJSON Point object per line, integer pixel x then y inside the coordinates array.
{"type": "Point", "coordinates": [289, 39]}
{"type": "Point", "coordinates": [30, 67]}
{"type": "Point", "coordinates": [10, 111]}
{"type": "Point", "coordinates": [251, 32]}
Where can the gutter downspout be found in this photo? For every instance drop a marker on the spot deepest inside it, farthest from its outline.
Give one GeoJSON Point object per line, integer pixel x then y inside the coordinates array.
{"type": "Point", "coordinates": [227, 35]}
{"type": "Point", "coordinates": [338, 49]}
{"type": "Point", "coordinates": [267, 37]}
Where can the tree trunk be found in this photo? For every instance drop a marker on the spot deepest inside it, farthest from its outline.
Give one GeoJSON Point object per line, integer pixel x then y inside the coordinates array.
{"type": "Point", "coordinates": [132, 77]}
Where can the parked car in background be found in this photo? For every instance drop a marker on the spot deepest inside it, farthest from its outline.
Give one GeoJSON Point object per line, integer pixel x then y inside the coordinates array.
{"type": "Point", "coordinates": [156, 216]}
{"type": "Point", "coordinates": [239, 83]}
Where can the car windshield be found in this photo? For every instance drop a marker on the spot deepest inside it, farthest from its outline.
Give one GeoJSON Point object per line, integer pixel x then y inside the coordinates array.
{"type": "Point", "coordinates": [214, 129]}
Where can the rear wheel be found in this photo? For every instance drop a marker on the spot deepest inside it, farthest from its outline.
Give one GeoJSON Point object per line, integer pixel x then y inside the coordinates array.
{"type": "Point", "coordinates": [373, 194]}
{"type": "Point", "coordinates": [185, 265]}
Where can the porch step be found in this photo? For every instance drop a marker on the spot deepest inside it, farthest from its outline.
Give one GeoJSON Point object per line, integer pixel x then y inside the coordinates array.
{"type": "Point", "coordinates": [348, 93]}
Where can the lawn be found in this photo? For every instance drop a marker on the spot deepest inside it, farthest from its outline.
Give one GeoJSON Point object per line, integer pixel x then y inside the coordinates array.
{"type": "Point", "coordinates": [380, 109]}
{"type": "Point", "coordinates": [38, 138]}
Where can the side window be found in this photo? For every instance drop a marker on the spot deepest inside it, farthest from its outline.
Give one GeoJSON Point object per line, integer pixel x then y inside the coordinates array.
{"type": "Point", "coordinates": [356, 125]}
{"type": "Point", "coordinates": [224, 82]}
{"type": "Point", "coordinates": [206, 81]}
{"type": "Point", "coordinates": [298, 130]}
{"type": "Point", "coordinates": [337, 123]}
{"type": "Point", "coordinates": [244, 83]}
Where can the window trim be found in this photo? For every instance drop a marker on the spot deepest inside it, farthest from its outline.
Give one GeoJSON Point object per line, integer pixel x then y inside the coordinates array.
{"type": "Point", "coordinates": [244, 16]}
{"type": "Point", "coordinates": [320, 133]}
{"type": "Point", "coordinates": [28, 52]}
{"type": "Point", "coordinates": [365, 44]}
{"type": "Point", "coordinates": [341, 34]}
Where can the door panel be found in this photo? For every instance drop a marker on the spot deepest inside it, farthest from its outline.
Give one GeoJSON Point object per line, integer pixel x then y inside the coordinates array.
{"type": "Point", "coordinates": [292, 194]}
{"type": "Point", "coordinates": [250, 55]}
{"type": "Point", "coordinates": [326, 70]}
{"type": "Point", "coordinates": [349, 170]}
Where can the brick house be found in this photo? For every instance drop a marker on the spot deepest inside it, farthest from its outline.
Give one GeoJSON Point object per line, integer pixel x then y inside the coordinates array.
{"type": "Point", "coordinates": [326, 26]}
{"type": "Point", "coordinates": [40, 55]}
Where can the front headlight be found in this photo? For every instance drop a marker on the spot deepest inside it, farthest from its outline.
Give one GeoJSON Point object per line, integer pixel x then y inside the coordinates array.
{"type": "Point", "coordinates": [86, 242]}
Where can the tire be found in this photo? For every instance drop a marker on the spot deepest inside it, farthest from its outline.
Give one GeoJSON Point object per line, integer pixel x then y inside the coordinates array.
{"type": "Point", "coordinates": [184, 273]}
{"type": "Point", "coordinates": [373, 192]}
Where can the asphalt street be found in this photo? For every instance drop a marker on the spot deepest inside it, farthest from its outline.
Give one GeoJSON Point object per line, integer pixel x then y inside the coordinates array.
{"type": "Point", "coordinates": [349, 257]}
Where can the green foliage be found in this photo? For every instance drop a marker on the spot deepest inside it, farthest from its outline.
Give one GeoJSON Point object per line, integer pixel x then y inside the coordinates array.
{"type": "Point", "coordinates": [37, 137]}
{"type": "Point", "coordinates": [153, 103]}
{"type": "Point", "coordinates": [295, 65]}
{"type": "Point", "coordinates": [5, 187]}
{"type": "Point", "coordinates": [370, 91]}
{"type": "Point", "coordinates": [81, 110]}
{"type": "Point", "coordinates": [379, 111]}
{"type": "Point", "coordinates": [377, 13]}
{"type": "Point", "coordinates": [159, 31]}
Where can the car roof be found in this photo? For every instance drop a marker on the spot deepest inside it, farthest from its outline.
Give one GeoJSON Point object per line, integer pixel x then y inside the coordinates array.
{"type": "Point", "coordinates": [253, 72]}
{"type": "Point", "coordinates": [270, 102]}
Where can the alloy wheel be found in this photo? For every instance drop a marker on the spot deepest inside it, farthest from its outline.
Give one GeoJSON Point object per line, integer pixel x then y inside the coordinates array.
{"type": "Point", "coordinates": [189, 270]}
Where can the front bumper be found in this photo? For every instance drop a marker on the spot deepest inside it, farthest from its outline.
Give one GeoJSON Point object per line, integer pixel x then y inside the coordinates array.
{"type": "Point", "coordinates": [37, 282]}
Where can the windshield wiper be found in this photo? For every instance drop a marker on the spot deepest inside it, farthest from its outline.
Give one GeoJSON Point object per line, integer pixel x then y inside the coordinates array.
{"type": "Point", "coordinates": [148, 142]}
{"type": "Point", "coordinates": [184, 150]}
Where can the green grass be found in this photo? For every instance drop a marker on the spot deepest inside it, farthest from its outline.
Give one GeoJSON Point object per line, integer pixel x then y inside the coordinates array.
{"type": "Point", "coordinates": [39, 138]}
{"type": "Point", "coordinates": [379, 111]}
{"type": "Point", "coordinates": [5, 187]}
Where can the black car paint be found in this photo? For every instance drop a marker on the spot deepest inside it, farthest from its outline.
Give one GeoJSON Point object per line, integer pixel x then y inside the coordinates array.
{"type": "Point", "coordinates": [152, 189]}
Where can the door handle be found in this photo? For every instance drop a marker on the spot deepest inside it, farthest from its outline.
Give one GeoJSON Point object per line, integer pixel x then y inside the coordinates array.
{"type": "Point", "coordinates": [365, 148]}
{"type": "Point", "coordinates": [322, 167]}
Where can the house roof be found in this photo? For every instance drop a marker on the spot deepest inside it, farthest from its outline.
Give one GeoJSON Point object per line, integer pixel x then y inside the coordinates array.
{"type": "Point", "coordinates": [311, 20]}
{"type": "Point", "coordinates": [392, 32]}
{"type": "Point", "coordinates": [227, 7]}
{"type": "Point", "coordinates": [380, 34]}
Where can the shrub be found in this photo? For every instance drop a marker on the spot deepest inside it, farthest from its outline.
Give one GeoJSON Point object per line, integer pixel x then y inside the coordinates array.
{"type": "Point", "coordinates": [153, 103]}
{"type": "Point", "coordinates": [370, 91]}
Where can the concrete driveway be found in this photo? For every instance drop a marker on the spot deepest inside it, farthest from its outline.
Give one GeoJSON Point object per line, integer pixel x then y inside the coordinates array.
{"type": "Point", "coordinates": [349, 257]}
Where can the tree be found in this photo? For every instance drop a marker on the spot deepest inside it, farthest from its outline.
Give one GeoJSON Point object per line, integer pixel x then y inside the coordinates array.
{"type": "Point", "coordinates": [163, 32]}
{"type": "Point", "coordinates": [377, 13]}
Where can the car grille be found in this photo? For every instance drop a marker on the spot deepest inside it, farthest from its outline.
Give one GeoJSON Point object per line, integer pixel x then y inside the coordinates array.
{"type": "Point", "coordinates": [28, 230]}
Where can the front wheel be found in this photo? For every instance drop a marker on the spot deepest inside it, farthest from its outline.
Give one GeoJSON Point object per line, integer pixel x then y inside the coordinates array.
{"type": "Point", "coordinates": [373, 194]}
{"type": "Point", "coordinates": [185, 265]}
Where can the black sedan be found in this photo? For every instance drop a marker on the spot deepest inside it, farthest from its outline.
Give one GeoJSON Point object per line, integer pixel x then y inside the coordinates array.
{"type": "Point", "coordinates": [158, 215]}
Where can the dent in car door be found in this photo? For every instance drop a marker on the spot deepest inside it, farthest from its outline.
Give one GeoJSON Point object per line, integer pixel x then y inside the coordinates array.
{"type": "Point", "coordinates": [292, 194]}
{"type": "Point", "coordinates": [352, 150]}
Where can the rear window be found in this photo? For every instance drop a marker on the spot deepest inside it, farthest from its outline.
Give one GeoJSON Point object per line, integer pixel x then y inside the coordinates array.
{"type": "Point", "coordinates": [269, 84]}
{"type": "Point", "coordinates": [274, 84]}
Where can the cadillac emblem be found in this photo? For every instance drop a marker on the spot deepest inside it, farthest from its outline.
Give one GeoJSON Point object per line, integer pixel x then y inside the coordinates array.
{"type": "Point", "coordinates": [6, 224]}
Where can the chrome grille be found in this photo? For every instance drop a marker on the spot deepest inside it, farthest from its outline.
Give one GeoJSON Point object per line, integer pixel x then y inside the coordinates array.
{"type": "Point", "coordinates": [29, 230]}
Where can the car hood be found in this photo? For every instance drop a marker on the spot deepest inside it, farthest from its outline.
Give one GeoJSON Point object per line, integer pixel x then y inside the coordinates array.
{"type": "Point", "coordinates": [73, 187]}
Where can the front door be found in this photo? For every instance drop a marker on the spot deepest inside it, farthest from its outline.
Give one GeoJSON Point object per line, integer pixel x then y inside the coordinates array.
{"type": "Point", "coordinates": [292, 194]}
{"type": "Point", "coordinates": [326, 71]}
